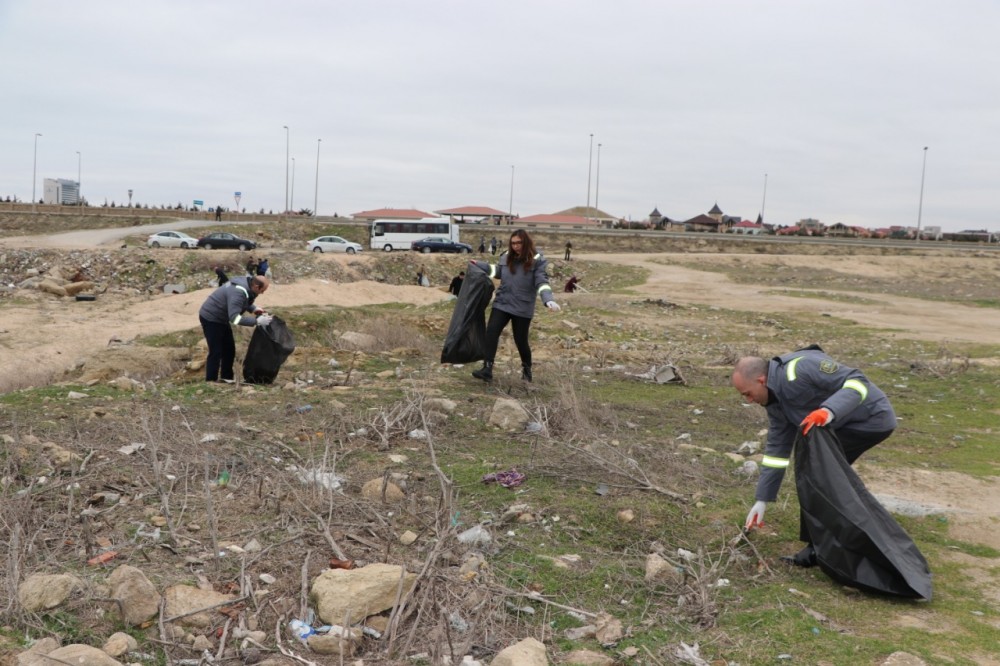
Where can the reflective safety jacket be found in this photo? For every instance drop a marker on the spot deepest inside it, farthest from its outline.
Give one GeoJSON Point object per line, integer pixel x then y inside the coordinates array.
{"type": "Point", "coordinates": [227, 304]}
{"type": "Point", "coordinates": [519, 287]}
{"type": "Point", "coordinates": [804, 381]}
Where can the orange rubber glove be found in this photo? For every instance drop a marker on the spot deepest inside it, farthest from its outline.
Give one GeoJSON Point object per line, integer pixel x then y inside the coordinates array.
{"type": "Point", "coordinates": [819, 417]}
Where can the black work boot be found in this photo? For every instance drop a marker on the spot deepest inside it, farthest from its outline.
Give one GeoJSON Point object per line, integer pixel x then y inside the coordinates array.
{"type": "Point", "coordinates": [526, 373]}
{"type": "Point", "coordinates": [485, 373]}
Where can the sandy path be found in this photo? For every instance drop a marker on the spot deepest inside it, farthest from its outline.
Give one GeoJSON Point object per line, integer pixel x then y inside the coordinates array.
{"type": "Point", "coordinates": [907, 317]}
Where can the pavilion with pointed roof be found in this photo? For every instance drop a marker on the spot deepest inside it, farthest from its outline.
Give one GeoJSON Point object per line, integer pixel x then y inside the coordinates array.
{"type": "Point", "coordinates": [480, 214]}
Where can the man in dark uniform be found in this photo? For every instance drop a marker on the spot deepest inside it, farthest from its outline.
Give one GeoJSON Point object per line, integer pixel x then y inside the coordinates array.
{"type": "Point", "coordinates": [456, 283]}
{"type": "Point", "coordinates": [223, 309]}
{"type": "Point", "coordinates": [807, 388]}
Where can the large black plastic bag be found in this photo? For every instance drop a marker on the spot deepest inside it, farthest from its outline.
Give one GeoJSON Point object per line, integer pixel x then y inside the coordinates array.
{"type": "Point", "coordinates": [858, 543]}
{"type": "Point", "coordinates": [466, 338]}
{"type": "Point", "coordinates": [269, 347]}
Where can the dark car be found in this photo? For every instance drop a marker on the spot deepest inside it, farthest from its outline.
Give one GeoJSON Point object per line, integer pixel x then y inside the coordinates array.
{"type": "Point", "coordinates": [222, 240]}
{"type": "Point", "coordinates": [438, 244]}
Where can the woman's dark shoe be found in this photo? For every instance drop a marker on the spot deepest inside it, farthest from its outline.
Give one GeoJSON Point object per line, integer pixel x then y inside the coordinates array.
{"type": "Point", "coordinates": [526, 373]}
{"type": "Point", "coordinates": [804, 558]}
{"type": "Point", "coordinates": [485, 373]}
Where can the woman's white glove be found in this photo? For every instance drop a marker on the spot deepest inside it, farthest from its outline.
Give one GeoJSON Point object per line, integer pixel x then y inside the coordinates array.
{"type": "Point", "coordinates": [264, 320]}
{"type": "Point", "coordinates": [756, 516]}
{"type": "Point", "coordinates": [552, 305]}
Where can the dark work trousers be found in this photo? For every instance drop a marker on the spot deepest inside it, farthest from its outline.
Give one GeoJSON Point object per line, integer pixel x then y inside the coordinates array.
{"type": "Point", "coordinates": [221, 350]}
{"type": "Point", "coordinates": [853, 443]}
{"type": "Point", "coordinates": [519, 325]}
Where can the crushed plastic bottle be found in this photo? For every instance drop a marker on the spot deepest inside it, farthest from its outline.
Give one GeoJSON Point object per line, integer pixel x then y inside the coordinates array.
{"type": "Point", "coordinates": [300, 630]}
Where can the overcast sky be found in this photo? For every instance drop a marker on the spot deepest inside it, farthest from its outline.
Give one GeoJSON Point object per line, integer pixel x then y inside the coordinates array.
{"type": "Point", "coordinates": [430, 103]}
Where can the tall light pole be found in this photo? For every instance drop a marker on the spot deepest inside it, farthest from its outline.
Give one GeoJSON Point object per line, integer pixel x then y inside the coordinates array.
{"type": "Point", "coordinates": [79, 170]}
{"type": "Point", "coordinates": [34, 170]}
{"type": "Point", "coordinates": [764, 200]}
{"type": "Point", "coordinates": [287, 135]}
{"type": "Point", "coordinates": [293, 183]}
{"type": "Point", "coordinates": [597, 185]}
{"type": "Point", "coordinates": [316, 190]}
{"type": "Point", "coordinates": [920, 208]}
{"type": "Point", "coordinates": [510, 204]}
{"type": "Point", "coordinates": [590, 165]}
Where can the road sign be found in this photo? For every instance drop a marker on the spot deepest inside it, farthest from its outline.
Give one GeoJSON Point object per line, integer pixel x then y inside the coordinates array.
{"type": "Point", "coordinates": [236, 196]}
{"type": "Point", "coordinates": [199, 202]}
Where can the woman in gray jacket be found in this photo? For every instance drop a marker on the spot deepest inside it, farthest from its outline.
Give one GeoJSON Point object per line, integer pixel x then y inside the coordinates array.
{"type": "Point", "coordinates": [522, 275]}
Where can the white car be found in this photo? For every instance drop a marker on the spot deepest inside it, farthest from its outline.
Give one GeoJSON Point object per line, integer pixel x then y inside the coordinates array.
{"type": "Point", "coordinates": [172, 239]}
{"type": "Point", "coordinates": [333, 244]}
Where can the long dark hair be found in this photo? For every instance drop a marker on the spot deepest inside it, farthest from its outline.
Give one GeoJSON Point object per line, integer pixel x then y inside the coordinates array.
{"type": "Point", "coordinates": [526, 256]}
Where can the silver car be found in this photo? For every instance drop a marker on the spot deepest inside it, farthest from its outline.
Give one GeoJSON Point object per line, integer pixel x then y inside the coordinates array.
{"type": "Point", "coordinates": [332, 244]}
{"type": "Point", "coordinates": [171, 239]}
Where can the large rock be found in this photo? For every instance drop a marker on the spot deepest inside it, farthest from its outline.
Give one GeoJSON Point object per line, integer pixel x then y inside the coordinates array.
{"type": "Point", "coordinates": [46, 591]}
{"type": "Point", "coordinates": [182, 599]}
{"type": "Point", "coordinates": [137, 596]}
{"type": "Point", "coordinates": [372, 490]}
{"type": "Point", "coordinates": [51, 287]}
{"type": "Point", "coordinates": [120, 643]}
{"type": "Point", "coordinates": [35, 655]}
{"type": "Point", "coordinates": [357, 593]}
{"type": "Point", "coordinates": [509, 414]}
{"type": "Point", "coordinates": [658, 570]}
{"type": "Point", "coordinates": [529, 652]}
{"type": "Point", "coordinates": [359, 340]}
{"type": "Point", "coordinates": [82, 655]}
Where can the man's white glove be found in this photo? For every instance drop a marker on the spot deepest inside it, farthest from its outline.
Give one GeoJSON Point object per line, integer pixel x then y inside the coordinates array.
{"type": "Point", "coordinates": [552, 305]}
{"type": "Point", "coordinates": [264, 320]}
{"type": "Point", "coordinates": [756, 516]}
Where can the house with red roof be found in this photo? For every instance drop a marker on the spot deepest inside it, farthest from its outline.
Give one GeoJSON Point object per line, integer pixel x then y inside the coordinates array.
{"type": "Point", "coordinates": [392, 214]}
{"type": "Point", "coordinates": [748, 228]}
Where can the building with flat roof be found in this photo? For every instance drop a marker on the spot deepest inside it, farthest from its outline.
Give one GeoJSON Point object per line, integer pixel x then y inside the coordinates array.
{"type": "Point", "coordinates": [61, 191]}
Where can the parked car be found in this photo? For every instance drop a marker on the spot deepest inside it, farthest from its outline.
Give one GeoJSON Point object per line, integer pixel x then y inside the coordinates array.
{"type": "Point", "coordinates": [438, 244]}
{"type": "Point", "coordinates": [332, 244]}
{"type": "Point", "coordinates": [222, 240]}
{"type": "Point", "coordinates": [171, 239]}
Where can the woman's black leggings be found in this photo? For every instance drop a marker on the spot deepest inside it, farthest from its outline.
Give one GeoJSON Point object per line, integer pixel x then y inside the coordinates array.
{"type": "Point", "coordinates": [519, 326]}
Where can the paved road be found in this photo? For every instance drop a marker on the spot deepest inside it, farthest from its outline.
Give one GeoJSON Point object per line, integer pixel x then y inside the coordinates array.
{"type": "Point", "coordinates": [91, 238]}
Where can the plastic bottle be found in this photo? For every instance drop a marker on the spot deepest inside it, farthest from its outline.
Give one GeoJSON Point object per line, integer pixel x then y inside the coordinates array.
{"type": "Point", "coordinates": [300, 629]}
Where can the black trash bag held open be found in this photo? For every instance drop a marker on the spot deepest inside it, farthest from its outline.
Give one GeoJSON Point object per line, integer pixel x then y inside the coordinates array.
{"type": "Point", "coordinates": [858, 543]}
{"type": "Point", "coordinates": [269, 347]}
{"type": "Point", "coordinates": [466, 338]}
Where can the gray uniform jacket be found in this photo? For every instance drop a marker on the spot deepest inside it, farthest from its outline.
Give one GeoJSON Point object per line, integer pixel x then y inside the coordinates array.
{"type": "Point", "coordinates": [518, 288]}
{"type": "Point", "coordinates": [227, 304]}
{"type": "Point", "coordinates": [804, 381]}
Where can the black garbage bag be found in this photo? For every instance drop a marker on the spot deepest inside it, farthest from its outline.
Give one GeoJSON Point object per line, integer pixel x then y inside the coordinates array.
{"type": "Point", "coordinates": [465, 341]}
{"type": "Point", "coordinates": [269, 347]}
{"type": "Point", "coordinates": [858, 543]}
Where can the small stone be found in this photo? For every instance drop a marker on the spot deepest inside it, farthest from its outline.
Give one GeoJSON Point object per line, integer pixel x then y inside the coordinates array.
{"type": "Point", "coordinates": [202, 643]}
{"type": "Point", "coordinates": [119, 643]}
{"type": "Point", "coordinates": [626, 516]}
{"type": "Point", "coordinates": [267, 579]}
{"type": "Point", "coordinates": [407, 537]}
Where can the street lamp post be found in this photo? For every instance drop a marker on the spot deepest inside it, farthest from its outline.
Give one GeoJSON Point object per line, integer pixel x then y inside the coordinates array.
{"type": "Point", "coordinates": [597, 185]}
{"type": "Point", "coordinates": [316, 189]}
{"type": "Point", "coordinates": [920, 207]}
{"type": "Point", "coordinates": [764, 200]}
{"type": "Point", "coordinates": [293, 185]}
{"type": "Point", "coordinates": [590, 164]}
{"type": "Point", "coordinates": [79, 170]}
{"type": "Point", "coordinates": [34, 170]}
{"type": "Point", "coordinates": [510, 204]}
{"type": "Point", "coordinates": [287, 136]}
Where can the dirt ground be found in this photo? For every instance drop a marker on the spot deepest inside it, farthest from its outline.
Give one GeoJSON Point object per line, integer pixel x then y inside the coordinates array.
{"type": "Point", "coordinates": [50, 335]}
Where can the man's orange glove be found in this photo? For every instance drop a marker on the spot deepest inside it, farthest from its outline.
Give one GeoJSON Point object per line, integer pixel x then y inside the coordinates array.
{"type": "Point", "coordinates": [819, 417]}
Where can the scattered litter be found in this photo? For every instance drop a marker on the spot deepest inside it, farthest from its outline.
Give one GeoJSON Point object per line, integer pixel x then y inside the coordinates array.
{"type": "Point", "coordinates": [474, 535]}
{"type": "Point", "coordinates": [397, 458]}
{"type": "Point", "coordinates": [223, 479]}
{"type": "Point", "coordinates": [302, 409]}
{"type": "Point", "coordinates": [267, 579]}
{"type": "Point", "coordinates": [527, 610]}
{"type": "Point", "coordinates": [457, 622]}
{"type": "Point", "coordinates": [129, 449]}
{"type": "Point", "coordinates": [300, 630]}
{"type": "Point", "coordinates": [103, 558]}
{"type": "Point", "coordinates": [75, 395]}
{"type": "Point", "coordinates": [602, 489]}
{"type": "Point", "coordinates": [533, 427]}
{"type": "Point", "coordinates": [328, 480]}
{"type": "Point", "coordinates": [749, 448]}
{"type": "Point", "coordinates": [373, 633]}
{"type": "Point", "coordinates": [417, 433]}
{"type": "Point", "coordinates": [210, 437]}
{"type": "Point", "coordinates": [685, 554]}
{"type": "Point", "coordinates": [747, 469]}
{"type": "Point", "coordinates": [508, 479]}
{"type": "Point", "coordinates": [690, 654]}
{"type": "Point", "coordinates": [665, 374]}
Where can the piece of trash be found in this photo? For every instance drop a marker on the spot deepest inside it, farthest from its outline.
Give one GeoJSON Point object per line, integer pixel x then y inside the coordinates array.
{"type": "Point", "coordinates": [690, 654]}
{"type": "Point", "coordinates": [300, 630]}
{"type": "Point", "coordinates": [223, 479]}
{"type": "Point", "coordinates": [457, 622]}
{"type": "Point", "coordinates": [475, 534]}
{"type": "Point", "coordinates": [508, 479]}
{"type": "Point", "coordinates": [328, 480]}
{"type": "Point", "coordinates": [75, 395]}
{"type": "Point", "coordinates": [267, 579]}
{"type": "Point", "coordinates": [210, 437]}
{"type": "Point", "coordinates": [527, 610]}
{"type": "Point", "coordinates": [341, 564]}
{"type": "Point", "coordinates": [533, 427]}
{"type": "Point", "coordinates": [302, 409]}
{"type": "Point", "coordinates": [417, 434]}
{"type": "Point", "coordinates": [748, 468]}
{"type": "Point", "coordinates": [602, 489]}
{"type": "Point", "coordinates": [103, 558]}
{"type": "Point", "coordinates": [129, 449]}
{"type": "Point", "coordinates": [685, 554]}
